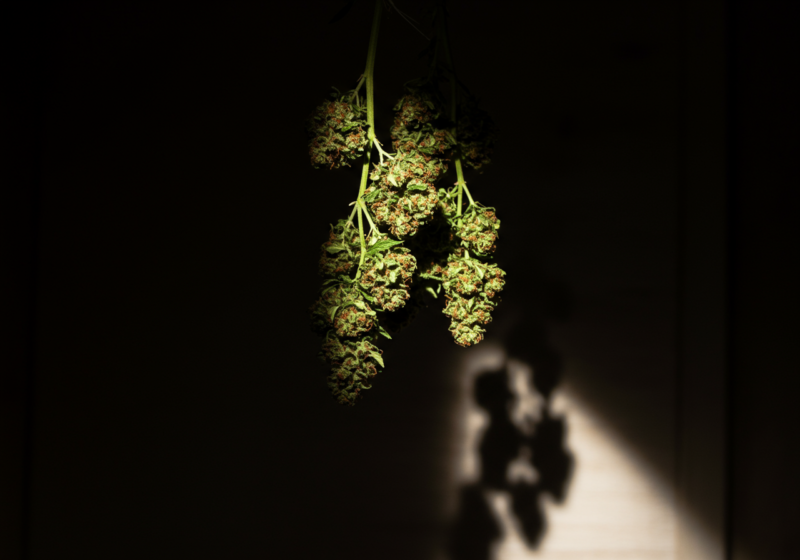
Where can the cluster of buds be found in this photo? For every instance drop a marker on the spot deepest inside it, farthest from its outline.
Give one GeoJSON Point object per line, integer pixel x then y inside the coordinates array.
{"type": "Point", "coordinates": [343, 316]}
{"type": "Point", "coordinates": [418, 126]}
{"type": "Point", "coordinates": [415, 109]}
{"type": "Point", "coordinates": [403, 210]}
{"type": "Point", "coordinates": [476, 136]}
{"type": "Point", "coordinates": [471, 288]}
{"type": "Point", "coordinates": [406, 167]}
{"type": "Point", "coordinates": [342, 308]}
{"type": "Point", "coordinates": [387, 277]}
{"type": "Point", "coordinates": [402, 195]}
{"type": "Point", "coordinates": [369, 283]}
{"type": "Point", "coordinates": [341, 252]}
{"type": "Point", "coordinates": [345, 312]}
{"type": "Point", "coordinates": [477, 230]}
{"type": "Point", "coordinates": [353, 364]}
{"type": "Point", "coordinates": [337, 132]}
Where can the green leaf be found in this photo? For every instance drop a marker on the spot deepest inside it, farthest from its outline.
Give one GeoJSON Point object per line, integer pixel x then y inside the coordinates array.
{"type": "Point", "coordinates": [383, 245]}
{"type": "Point", "coordinates": [367, 296]}
{"type": "Point", "coordinates": [431, 291]}
{"type": "Point", "coordinates": [378, 357]}
{"type": "Point", "coordinates": [370, 197]}
{"type": "Point", "coordinates": [384, 333]}
{"type": "Point", "coordinates": [333, 249]}
{"type": "Point", "coordinates": [333, 312]}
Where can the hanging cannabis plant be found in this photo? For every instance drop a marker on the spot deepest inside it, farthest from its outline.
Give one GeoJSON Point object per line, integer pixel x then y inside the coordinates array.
{"type": "Point", "coordinates": [423, 240]}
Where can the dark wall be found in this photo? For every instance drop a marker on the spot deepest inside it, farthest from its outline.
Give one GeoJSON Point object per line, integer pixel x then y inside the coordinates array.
{"type": "Point", "coordinates": [764, 227]}
{"type": "Point", "coordinates": [169, 223]}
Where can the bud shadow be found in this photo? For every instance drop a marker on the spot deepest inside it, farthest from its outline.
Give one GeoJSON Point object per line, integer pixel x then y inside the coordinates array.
{"type": "Point", "coordinates": [524, 459]}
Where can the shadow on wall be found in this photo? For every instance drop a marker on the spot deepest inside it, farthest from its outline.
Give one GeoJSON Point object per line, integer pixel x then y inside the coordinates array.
{"type": "Point", "coordinates": [522, 453]}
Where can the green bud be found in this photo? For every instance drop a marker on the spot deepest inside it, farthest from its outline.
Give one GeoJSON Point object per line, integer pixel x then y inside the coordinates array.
{"type": "Point", "coordinates": [387, 277]}
{"type": "Point", "coordinates": [337, 133]}
{"type": "Point", "coordinates": [471, 287]}
{"type": "Point", "coordinates": [477, 228]}
{"type": "Point", "coordinates": [341, 252]}
{"type": "Point", "coordinates": [353, 365]}
{"type": "Point", "coordinates": [403, 210]}
{"type": "Point", "coordinates": [342, 308]}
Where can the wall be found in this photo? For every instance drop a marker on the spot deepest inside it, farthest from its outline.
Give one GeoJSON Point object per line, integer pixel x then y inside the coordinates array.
{"type": "Point", "coordinates": [175, 405]}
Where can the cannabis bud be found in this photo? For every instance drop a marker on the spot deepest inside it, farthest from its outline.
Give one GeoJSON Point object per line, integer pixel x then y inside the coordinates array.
{"type": "Point", "coordinates": [337, 132]}
{"type": "Point", "coordinates": [342, 307]}
{"type": "Point", "coordinates": [353, 365]}
{"type": "Point", "coordinates": [387, 277]}
{"type": "Point", "coordinates": [340, 253]}
{"type": "Point", "coordinates": [403, 210]}
{"type": "Point", "coordinates": [418, 127]}
{"type": "Point", "coordinates": [471, 287]}
{"type": "Point", "coordinates": [478, 230]}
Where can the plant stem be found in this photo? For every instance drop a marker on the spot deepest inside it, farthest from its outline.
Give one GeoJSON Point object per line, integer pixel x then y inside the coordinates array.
{"type": "Point", "coordinates": [370, 71]}
{"type": "Point", "coordinates": [362, 187]}
{"type": "Point", "coordinates": [363, 244]}
{"type": "Point", "coordinates": [462, 185]}
{"type": "Point", "coordinates": [353, 213]}
{"type": "Point", "coordinates": [369, 79]}
{"type": "Point", "coordinates": [354, 95]}
{"type": "Point", "coordinates": [372, 225]}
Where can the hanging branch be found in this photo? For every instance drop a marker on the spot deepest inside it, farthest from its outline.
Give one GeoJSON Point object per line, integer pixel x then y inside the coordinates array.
{"type": "Point", "coordinates": [371, 279]}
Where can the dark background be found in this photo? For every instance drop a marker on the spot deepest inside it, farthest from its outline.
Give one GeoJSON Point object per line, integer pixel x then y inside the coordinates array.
{"type": "Point", "coordinates": [160, 390]}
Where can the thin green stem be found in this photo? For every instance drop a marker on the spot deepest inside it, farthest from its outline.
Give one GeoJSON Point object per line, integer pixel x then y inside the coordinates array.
{"type": "Point", "coordinates": [462, 185]}
{"type": "Point", "coordinates": [372, 225]}
{"type": "Point", "coordinates": [370, 70]}
{"type": "Point", "coordinates": [460, 198]}
{"type": "Point", "coordinates": [354, 95]}
{"type": "Point", "coordinates": [353, 213]}
{"type": "Point", "coordinates": [381, 151]}
{"type": "Point", "coordinates": [369, 80]}
{"type": "Point", "coordinates": [362, 187]}
{"type": "Point", "coordinates": [462, 182]}
{"type": "Point", "coordinates": [363, 243]}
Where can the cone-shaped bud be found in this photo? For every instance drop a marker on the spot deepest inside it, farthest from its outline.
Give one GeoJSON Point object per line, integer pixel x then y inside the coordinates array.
{"type": "Point", "coordinates": [387, 277]}
{"type": "Point", "coordinates": [415, 109]}
{"type": "Point", "coordinates": [471, 287]}
{"type": "Point", "coordinates": [404, 210]}
{"type": "Point", "coordinates": [353, 365]}
{"type": "Point", "coordinates": [341, 252]}
{"type": "Point", "coordinates": [341, 307]}
{"type": "Point", "coordinates": [405, 167]}
{"type": "Point", "coordinates": [337, 132]}
{"type": "Point", "coordinates": [478, 229]}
